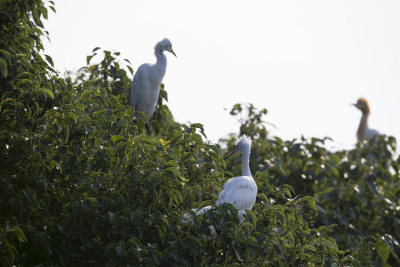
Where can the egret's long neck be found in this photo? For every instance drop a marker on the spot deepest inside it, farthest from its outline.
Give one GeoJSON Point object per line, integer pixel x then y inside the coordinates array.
{"type": "Point", "coordinates": [161, 59]}
{"type": "Point", "coordinates": [245, 163]}
{"type": "Point", "coordinates": [362, 127]}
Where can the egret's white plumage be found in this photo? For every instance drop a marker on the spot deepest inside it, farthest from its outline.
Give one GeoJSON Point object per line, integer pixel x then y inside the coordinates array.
{"type": "Point", "coordinates": [240, 191]}
{"type": "Point", "coordinates": [364, 132]}
{"type": "Point", "coordinates": [147, 80]}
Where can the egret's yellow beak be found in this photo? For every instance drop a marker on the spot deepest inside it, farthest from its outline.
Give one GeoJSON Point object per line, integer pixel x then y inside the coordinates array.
{"type": "Point", "coordinates": [230, 154]}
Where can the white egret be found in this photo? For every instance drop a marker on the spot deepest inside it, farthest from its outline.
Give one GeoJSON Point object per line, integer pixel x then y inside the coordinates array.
{"type": "Point", "coordinates": [364, 132]}
{"type": "Point", "coordinates": [240, 191]}
{"type": "Point", "coordinates": [147, 80]}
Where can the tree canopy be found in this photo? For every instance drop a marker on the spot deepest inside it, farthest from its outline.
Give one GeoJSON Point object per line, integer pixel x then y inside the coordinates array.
{"type": "Point", "coordinates": [81, 184]}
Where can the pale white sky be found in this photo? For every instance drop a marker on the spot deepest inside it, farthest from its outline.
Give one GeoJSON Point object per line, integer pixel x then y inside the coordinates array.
{"type": "Point", "coordinates": [305, 61]}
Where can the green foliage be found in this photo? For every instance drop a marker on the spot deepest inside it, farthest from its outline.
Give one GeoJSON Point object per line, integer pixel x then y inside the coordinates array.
{"type": "Point", "coordinates": [356, 189]}
{"type": "Point", "coordinates": [108, 74]}
{"type": "Point", "coordinates": [274, 233]}
{"type": "Point", "coordinates": [81, 184]}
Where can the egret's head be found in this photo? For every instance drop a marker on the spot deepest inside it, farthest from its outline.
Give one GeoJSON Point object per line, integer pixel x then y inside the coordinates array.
{"type": "Point", "coordinates": [362, 104]}
{"type": "Point", "coordinates": [243, 145]}
{"type": "Point", "coordinates": [165, 45]}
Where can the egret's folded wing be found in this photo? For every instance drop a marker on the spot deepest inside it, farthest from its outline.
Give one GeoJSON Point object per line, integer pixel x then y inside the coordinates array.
{"type": "Point", "coordinates": [239, 191]}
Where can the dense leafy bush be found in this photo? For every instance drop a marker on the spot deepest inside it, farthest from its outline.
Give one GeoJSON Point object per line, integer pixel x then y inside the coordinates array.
{"type": "Point", "coordinates": [356, 189]}
{"type": "Point", "coordinates": [82, 184]}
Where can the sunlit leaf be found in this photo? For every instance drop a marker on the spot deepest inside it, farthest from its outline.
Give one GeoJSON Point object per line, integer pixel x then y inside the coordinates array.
{"type": "Point", "coordinates": [50, 60]}
{"type": "Point", "coordinates": [47, 92]}
{"type": "Point", "coordinates": [383, 250]}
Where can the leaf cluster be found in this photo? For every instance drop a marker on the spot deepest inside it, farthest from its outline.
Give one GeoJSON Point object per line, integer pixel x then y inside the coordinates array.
{"type": "Point", "coordinates": [356, 189]}
{"type": "Point", "coordinates": [82, 184]}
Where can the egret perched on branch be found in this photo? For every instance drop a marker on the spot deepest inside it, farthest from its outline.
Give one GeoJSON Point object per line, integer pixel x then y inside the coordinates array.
{"type": "Point", "coordinates": [240, 191]}
{"type": "Point", "coordinates": [147, 80]}
{"type": "Point", "coordinates": [363, 132]}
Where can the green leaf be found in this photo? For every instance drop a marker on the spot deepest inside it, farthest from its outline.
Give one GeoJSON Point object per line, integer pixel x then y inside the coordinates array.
{"type": "Point", "coordinates": [95, 49]}
{"type": "Point", "coordinates": [197, 125]}
{"type": "Point", "coordinates": [171, 163]}
{"type": "Point", "coordinates": [5, 101]}
{"type": "Point", "coordinates": [22, 75]}
{"type": "Point", "coordinates": [28, 82]}
{"type": "Point", "coordinates": [88, 58]}
{"type": "Point", "coordinates": [73, 116]}
{"type": "Point", "coordinates": [174, 171]}
{"type": "Point", "coordinates": [263, 197]}
{"type": "Point", "coordinates": [36, 18]}
{"type": "Point", "coordinates": [309, 206]}
{"type": "Point", "coordinates": [65, 128]}
{"type": "Point", "coordinates": [309, 202]}
{"type": "Point", "coordinates": [47, 92]}
{"type": "Point", "coordinates": [383, 250]}
{"type": "Point", "coordinates": [252, 217]}
{"type": "Point", "coordinates": [37, 107]}
{"type": "Point", "coordinates": [285, 190]}
{"type": "Point", "coordinates": [121, 145]}
{"type": "Point", "coordinates": [44, 12]}
{"type": "Point", "coordinates": [3, 67]}
{"type": "Point", "coordinates": [98, 112]}
{"type": "Point", "coordinates": [115, 138]}
{"type": "Point", "coordinates": [130, 69]}
{"type": "Point", "coordinates": [50, 60]}
{"type": "Point", "coordinates": [164, 94]}
{"type": "Point", "coordinates": [6, 55]}
{"type": "Point", "coordinates": [18, 233]}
